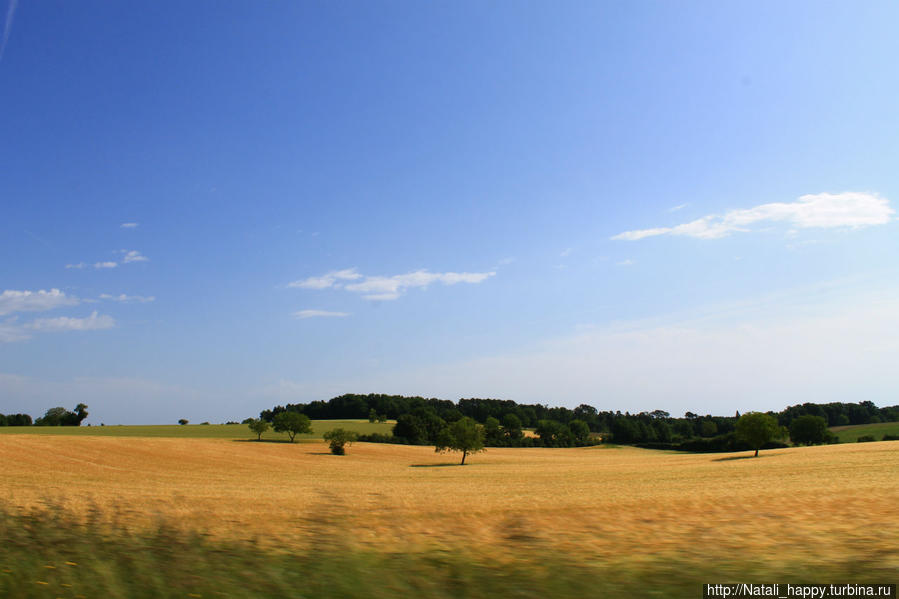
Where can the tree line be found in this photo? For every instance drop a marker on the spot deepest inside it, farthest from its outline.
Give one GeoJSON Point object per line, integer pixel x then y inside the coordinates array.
{"type": "Point", "coordinates": [421, 421]}
{"type": "Point", "coordinates": [53, 417]}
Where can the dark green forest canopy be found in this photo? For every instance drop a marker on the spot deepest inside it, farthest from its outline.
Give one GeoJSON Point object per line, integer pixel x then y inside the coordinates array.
{"type": "Point", "coordinates": [420, 420]}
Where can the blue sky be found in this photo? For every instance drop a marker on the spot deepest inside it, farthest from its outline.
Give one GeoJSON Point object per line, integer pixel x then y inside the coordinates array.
{"type": "Point", "coordinates": [212, 208]}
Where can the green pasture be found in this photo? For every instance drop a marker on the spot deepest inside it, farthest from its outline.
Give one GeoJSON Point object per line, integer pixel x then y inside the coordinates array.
{"type": "Point", "coordinates": [200, 431]}
{"type": "Point", "coordinates": [850, 434]}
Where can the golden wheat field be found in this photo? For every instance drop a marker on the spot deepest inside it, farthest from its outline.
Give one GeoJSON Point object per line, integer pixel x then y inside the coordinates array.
{"type": "Point", "coordinates": [816, 506]}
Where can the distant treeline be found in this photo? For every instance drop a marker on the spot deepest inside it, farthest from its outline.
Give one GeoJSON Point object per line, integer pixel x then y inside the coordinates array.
{"type": "Point", "coordinates": [420, 420]}
{"type": "Point", "coordinates": [52, 417]}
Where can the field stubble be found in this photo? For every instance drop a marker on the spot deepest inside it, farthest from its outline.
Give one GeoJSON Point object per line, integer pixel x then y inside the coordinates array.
{"type": "Point", "coordinates": [791, 510]}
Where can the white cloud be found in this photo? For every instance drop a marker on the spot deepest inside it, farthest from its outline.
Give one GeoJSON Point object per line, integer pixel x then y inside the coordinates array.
{"type": "Point", "coordinates": [319, 314]}
{"type": "Point", "coordinates": [331, 279]}
{"type": "Point", "coordinates": [823, 210]}
{"type": "Point", "coordinates": [387, 288]}
{"type": "Point", "coordinates": [105, 264]}
{"type": "Point", "coordinates": [64, 323]}
{"type": "Point", "coordinates": [127, 298]}
{"type": "Point", "coordinates": [627, 262]}
{"type": "Point", "coordinates": [133, 256]}
{"type": "Point", "coordinates": [79, 265]}
{"type": "Point", "coordinates": [390, 288]}
{"type": "Point", "coordinates": [34, 301]}
{"type": "Point", "coordinates": [129, 225]}
{"type": "Point", "coordinates": [678, 207]}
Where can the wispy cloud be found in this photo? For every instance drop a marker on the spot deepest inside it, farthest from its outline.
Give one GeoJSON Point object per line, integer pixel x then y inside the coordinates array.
{"type": "Point", "coordinates": [331, 279]}
{"type": "Point", "coordinates": [133, 256]}
{"type": "Point", "coordinates": [7, 27]}
{"type": "Point", "coordinates": [823, 210]}
{"type": "Point", "coordinates": [678, 207]}
{"type": "Point", "coordinates": [564, 253]}
{"type": "Point", "coordinates": [34, 301]}
{"type": "Point", "coordinates": [64, 323]}
{"type": "Point", "coordinates": [390, 288]}
{"type": "Point", "coordinates": [627, 262]}
{"type": "Point", "coordinates": [129, 225]}
{"type": "Point", "coordinates": [128, 257]}
{"type": "Point", "coordinates": [319, 314]}
{"type": "Point", "coordinates": [387, 288]}
{"type": "Point", "coordinates": [128, 298]}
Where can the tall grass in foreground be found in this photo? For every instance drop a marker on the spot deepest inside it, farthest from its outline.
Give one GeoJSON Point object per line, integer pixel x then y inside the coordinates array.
{"type": "Point", "coordinates": [45, 552]}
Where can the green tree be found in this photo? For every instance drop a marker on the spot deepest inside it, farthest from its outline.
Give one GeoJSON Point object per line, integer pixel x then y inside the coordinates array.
{"type": "Point", "coordinates": [75, 418]}
{"type": "Point", "coordinates": [52, 417]}
{"type": "Point", "coordinates": [708, 428]}
{"type": "Point", "coordinates": [512, 427]}
{"type": "Point", "coordinates": [463, 435]}
{"type": "Point", "coordinates": [183, 421]}
{"type": "Point", "coordinates": [493, 433]}
{"type": "Point", "coordinates": [757, 429]}
{"type": "Point", "coordinates": [372, 415]}
{"type": "Point", "coordinates": [553, 433]}
{"type": "Point", "coordinates": [292, 423]}
{"type": "Point", "coordinates": [410, 428]}
{"type": "Point", "coordinates": [808, 430]}
{"type": "Point", "coordinates": [337, 438]}
{"type": "Point", "coordinates": [579, 430]}
{"type": "Point", "coordinates": [259, 426]}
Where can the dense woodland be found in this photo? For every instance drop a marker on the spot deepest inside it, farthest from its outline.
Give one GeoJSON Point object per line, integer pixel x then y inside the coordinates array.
{"type": "Point", "coordinates": [419, 421]}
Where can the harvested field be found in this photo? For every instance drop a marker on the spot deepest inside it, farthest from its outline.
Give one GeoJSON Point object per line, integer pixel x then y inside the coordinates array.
{"type": "Point", "coordinates": [816, 506]}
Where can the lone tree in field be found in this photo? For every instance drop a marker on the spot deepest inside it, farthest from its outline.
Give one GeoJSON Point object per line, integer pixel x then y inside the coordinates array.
{"type": "Point", "coordinates": [463, 435]}
{"type": "Point", "coordinates": [808, 430]}
{"type": "Point", "coordinates": [183, 421]}
{"type": "Point", "coordinates": [338, 438]}
{"type": "Point", "coordinates": [757, 429]}
{"type": "Point", "coordinates": [292, 423]}
{"type": "Point", "coordinates": [259, 426]}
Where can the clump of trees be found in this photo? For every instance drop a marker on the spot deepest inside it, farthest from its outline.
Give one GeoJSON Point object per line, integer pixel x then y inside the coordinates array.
{"type": "Point", "coordinates": [63, 417]}
{"type": "Point", "coordinates": [809, 430]}
{"type": "Point", "coordinates": [15, 420]}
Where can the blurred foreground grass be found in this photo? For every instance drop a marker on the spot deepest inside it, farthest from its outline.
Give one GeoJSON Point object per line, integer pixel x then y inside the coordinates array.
{"type": "Point", "coordinates": [46, 552]}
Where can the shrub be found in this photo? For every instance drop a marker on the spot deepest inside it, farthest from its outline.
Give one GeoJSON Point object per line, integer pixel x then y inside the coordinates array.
{"type": "Point", "coordinates": [338, 438]}
{"type": "Point", "coordinates": [866, 439]}
{"type": "Point", "coordinates": [889, 437]}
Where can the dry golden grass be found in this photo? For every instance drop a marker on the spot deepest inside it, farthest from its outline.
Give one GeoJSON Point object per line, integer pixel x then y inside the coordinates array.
{"type": "Point", "coordinates": [817, 506]}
